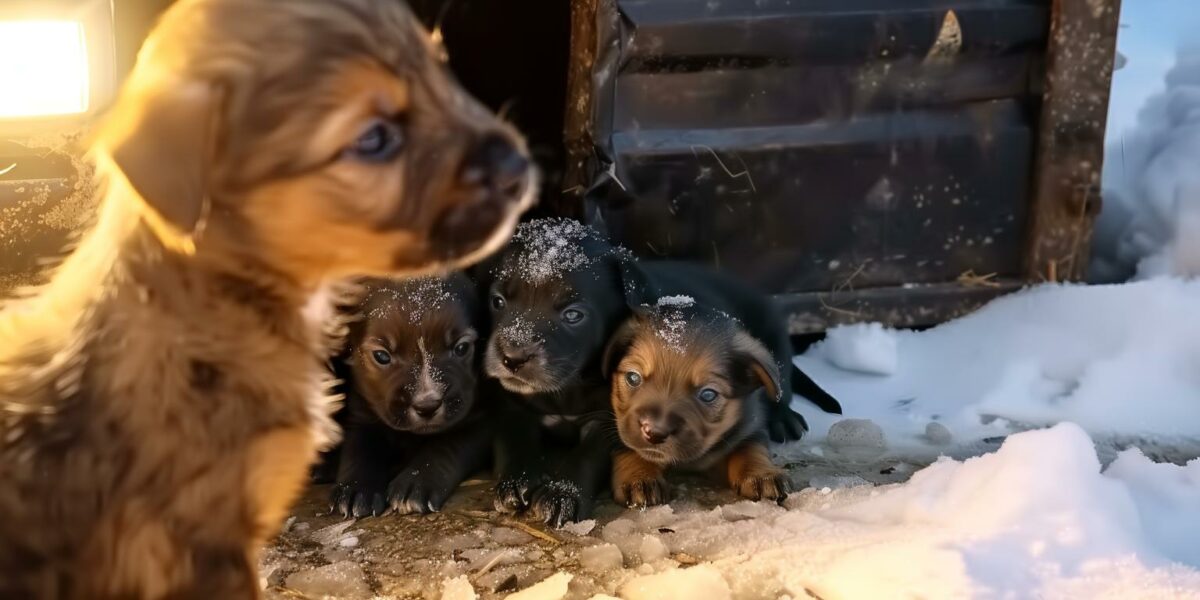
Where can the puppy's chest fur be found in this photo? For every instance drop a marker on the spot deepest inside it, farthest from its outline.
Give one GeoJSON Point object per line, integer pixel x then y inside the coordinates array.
{"type": "Point", "coordinates": [157, 429]}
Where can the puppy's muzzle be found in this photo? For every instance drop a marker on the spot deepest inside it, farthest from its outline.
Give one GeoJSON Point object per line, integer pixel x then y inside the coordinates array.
{"type": "Point", "coordinates": [496, 178]}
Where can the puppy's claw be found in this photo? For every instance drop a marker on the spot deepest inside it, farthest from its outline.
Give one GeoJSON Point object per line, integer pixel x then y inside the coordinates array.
{"type": "Point", "coordinates": [639, 494]}
{"type": "Point", "coordinates": [512, 495]}
{"type": "Point", "coordinates": [785, 424]}
{"type": "Point", "coordinates": [772, 486]}
{"type": "Point", "coordinates": [558, 503]}
{"type": "Point", "coordinates": [413, 494]}
{"type": "Point", "coordinates": [349, 500]}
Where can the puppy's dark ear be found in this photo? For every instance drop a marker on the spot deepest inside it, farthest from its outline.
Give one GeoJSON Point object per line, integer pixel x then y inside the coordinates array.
{"type": "Point", "coordinates": [618, 346]}
{"type": "Point", "coordinates": [754, 367]}
{"type": "Point", "coordinates": [635, 284]}
{"type": "Point", "coordinates": [164, 147]}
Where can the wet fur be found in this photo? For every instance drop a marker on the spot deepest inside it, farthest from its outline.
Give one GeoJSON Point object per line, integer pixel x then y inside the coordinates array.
{"type": "Point", "coordinates": [163, 396]}
{"type": "Point", "coordinates": [391, 460]}
{"type": "Point", "coordinates": [728, 435]}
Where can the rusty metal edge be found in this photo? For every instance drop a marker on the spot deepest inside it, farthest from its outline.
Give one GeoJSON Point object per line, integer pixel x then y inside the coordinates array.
{"type": "Point", "coordinates": [1070, 153]}
{"type": "Point", "coordinates": [900, 306]}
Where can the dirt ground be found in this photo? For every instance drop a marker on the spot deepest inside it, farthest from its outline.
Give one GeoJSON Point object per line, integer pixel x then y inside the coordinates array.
{"type": "Point", "coordinates": [322, 556]}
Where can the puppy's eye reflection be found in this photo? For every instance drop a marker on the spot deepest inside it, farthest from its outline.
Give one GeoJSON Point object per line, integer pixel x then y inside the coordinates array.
{"type": "Point", "coordinates": [572, 316]}
{"type": "Point", "coordinates": [707, 395]}
{"type": "Point", "coordinates": [497, 302]}
{"type": "Point", "coordinates": [633, 378]}
{"type": "Point", "coordinates": [381, 357]}
{"type": "Point", "coordinates": [461, 349]}
{"type": "Point", "coordinates": [381, 141]}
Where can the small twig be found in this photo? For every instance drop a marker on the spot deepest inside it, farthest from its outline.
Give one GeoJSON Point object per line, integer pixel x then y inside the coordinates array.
{"type": "Point", "coordinates": [535, 532]}
{"type": "Point", "coordinates": [491, 564]}
{"type": "Point", "coordinates": [5, 170]}
{"type": "Point", "coordinates": [971, 278]}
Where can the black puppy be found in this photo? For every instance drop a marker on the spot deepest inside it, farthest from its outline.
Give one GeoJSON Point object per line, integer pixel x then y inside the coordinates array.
{"type": "Point", "coordinates": [413, 433]}
{"type": "Point", "coordinates": [557, 294]}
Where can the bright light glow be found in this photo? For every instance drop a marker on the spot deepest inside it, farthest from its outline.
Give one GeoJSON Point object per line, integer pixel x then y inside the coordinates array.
{"type": "Point", "coordinates": [43, 68]}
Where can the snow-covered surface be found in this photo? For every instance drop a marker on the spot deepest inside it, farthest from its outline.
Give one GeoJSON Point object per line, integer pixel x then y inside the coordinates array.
{"type": "Point", "coordinates": [1123, 361]}
{"type": "Point", "coordinates": [864, 347]}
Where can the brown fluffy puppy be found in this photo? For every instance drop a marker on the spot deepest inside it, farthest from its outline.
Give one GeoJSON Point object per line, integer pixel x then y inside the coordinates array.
{"type": "Point", "coordinates": [691, 390]}
{"type": "Point", "coordinates": [161, 398]}
{"type": "Point", "coordinates": [412, 428]}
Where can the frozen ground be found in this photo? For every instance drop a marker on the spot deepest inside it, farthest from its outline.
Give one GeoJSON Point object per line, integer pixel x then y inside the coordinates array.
{"type": "Point", "coordinates": [1058, 512]}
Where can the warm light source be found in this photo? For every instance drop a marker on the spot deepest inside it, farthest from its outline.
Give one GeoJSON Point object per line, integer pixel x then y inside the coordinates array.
{"type": "Point", "coordinates": [43, 68]}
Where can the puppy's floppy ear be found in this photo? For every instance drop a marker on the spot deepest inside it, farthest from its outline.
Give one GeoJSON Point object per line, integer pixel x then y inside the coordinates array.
{"type": "Point", "coordinates": [635, 284]}
{"type": "Point", "coordinates": [753, 365]}
{"type": "Point", "coordinates": [164, 146]}
{"type": "Point", "coordinates": [618, 345]}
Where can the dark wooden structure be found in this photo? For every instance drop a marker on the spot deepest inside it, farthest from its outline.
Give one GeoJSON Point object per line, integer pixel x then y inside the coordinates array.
{"type": "Point", "coordinates": [902, 161]}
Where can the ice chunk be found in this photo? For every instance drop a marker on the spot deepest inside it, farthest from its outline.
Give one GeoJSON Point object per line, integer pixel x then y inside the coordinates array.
{"type": "Point", "coordinates": [510, 537]}
{"type": "Point", "coordinates": [553, 587]}
{"type": "Point", "coordinates": [652, 549]}
{"type": "Point", "coordinates": [856, 434]}
{"type": "Point", "coordinates": [328, 536]}
{"type": "Point", "coordinates": [863, 348]}
{"type": "Point", "coordinates": [580, 528]}
{"type": "Point", "coordinates": [601, 558]}
{"type": "Point", "coordinates": [701, 581]}
{"type": "Point", "coordinates": [343, 579]}
{"type": "Point", "coordinates": [458, 588]}
{"type": "Point", "coordinates": [938, 434]}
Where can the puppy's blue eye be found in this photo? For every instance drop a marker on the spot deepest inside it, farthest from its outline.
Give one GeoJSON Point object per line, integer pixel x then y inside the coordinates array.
{"type": "Point", "coordinates": [572, 316]}
{"type": "Point", "coordinates": [381, 141]}
{"type": "Point", "coordinates": [633, 378]}
{"type": "Point", "coordinates": [381, 358]}
{"type": "Point", "coordinates": [497, 302]}
{"type": "Point", "coordinates": [708, 395]}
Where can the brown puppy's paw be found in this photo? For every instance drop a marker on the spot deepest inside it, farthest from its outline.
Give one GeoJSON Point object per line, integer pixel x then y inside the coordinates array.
{"type": "Point", "coordinates": [766, 486]}
{"type": "Point", "coordinates": [356, 500]}
{"type": "Point", "coordinates": [752, 474]}
{"type": "Point", "coordinates": [642, 493]}
{"type": "Point", "coordinates": [559, 502]}
{"type": "Point", "coordinates": [418, 492]}
{"type": "Point", "coordinates": [637, 482]}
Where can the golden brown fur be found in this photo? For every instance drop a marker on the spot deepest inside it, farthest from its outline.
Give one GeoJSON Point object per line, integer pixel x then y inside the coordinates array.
{"type": "Point", "coordinates": [161, 398]}
{"type": "Point", "coordinates": [690, 390]}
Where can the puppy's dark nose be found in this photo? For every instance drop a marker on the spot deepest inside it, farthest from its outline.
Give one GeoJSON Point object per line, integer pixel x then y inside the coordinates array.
{"type": "Point", "coordinates": [653, 432]}
{"type": "Point", "coordinates": [426, 405]}
{"type": "Point", "coordinates": [514, 362]}
{"type": "Point", "coordinates": [497, 165]}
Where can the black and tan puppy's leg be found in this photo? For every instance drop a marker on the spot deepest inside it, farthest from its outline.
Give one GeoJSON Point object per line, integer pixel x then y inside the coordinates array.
{"type": "Point", "coordinates": [637, 482]}
{"type": "Point", "coordinates": [364, 470]}
{"type": "Point", "coordinates": [519, 460]}
{"type": "Point", "coordinates": [752, 474]}
{"type": "Point", "coordinates": [569, 493]}
{"type": "Point", "coordinates": [439, 466]}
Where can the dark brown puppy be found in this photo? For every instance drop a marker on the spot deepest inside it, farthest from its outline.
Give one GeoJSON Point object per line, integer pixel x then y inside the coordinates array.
{"type": "Point", "coordinates": [691, 389]}
{"type": "Point", "coordinates": [412, 431]}
{"type": "Point", "coordinates": [162, 397]}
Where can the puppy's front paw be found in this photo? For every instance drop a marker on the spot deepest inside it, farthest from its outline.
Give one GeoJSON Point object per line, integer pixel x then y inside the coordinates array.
{"type": "Point", "coordinates": [559, 502]}
{"type": "Point", "coordinates": [785, 424]}
{"type": "Point", "coordinates": [642, 492]}
{"type": "Point", "coordinates": [419, 492]}
{"type": "Point", "coordinates": [356, 500]}
{"type": "Point", "coordinates": [638, 482]}
{"type": "Point", "coordinates": [513, 494]}
{"type": "Point", "coordinates": [771, 485]}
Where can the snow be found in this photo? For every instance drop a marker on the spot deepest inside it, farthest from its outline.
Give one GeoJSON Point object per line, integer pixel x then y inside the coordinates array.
{"type": "Point", "coordinates": [601, 558]}
{"type": "Point", "coordinates": [344, 579]}
{"type": "Point", "coordinates": [864, 347]}
{"type": "Point", "coordinates": [458, 588]}
{"type": "Point", "coordinates": [548, 249]}
{"type": "Point", "coordinates": [1037, 518]}
{"type": "Point", "coordinates": [1123, 361]}
{"type": "Point", "coordinates": [551, 588]}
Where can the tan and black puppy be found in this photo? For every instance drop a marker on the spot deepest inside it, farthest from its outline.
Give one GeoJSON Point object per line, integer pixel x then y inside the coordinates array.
{"type": "Point", "coordinates": [412, 428]}
{"type": "Point", "coordinates": [692, 390]}
{"type": "Point", "coordinates": [162, 397]}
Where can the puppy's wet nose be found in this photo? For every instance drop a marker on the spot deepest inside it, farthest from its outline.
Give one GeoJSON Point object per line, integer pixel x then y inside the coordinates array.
{"type": "Point", "coordinates": [653, 432]}
{"type": "Point", "coordinates": [426, 405]}
{"type": "Point", "coordinates": [496, 164]}
{"type": "Point", "coordinates": [514, 362]}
